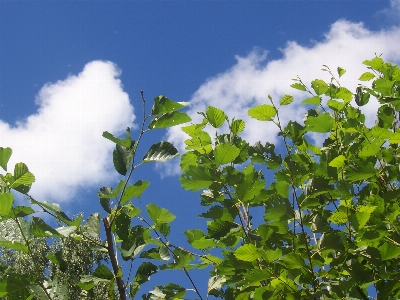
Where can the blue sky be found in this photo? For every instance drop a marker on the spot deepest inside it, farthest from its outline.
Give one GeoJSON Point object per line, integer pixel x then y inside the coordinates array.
{"type": "Point", "coordinates": [71, 70]}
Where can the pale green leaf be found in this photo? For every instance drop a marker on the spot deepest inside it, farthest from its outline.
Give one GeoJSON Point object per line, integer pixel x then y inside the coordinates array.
{"type": "Point", "coordinates": [6, 202]}
{"type": "Point", "coordinates": [215, 116]}
{"type": "Point", "coordinates": [158, 214]}
{"type": "Point", "coordinates": [286, 99]}
{"type": "Point", "coordinates": [225, 153]}
{"type": "Point", "coordinates": [247, 252]}
{"type": "Point", "coordinates": [298, 86]}
{"type": "Point", "coordinates": [366, 76]}
{"type": "Point", "coordinates": [321, 123]}
{"type": "Point", "coordinates": [316, 100]}
{"type": "Point", "coordinates": [338, 161]}
{"type": "Point", "coordinates": [5, 154]}
{"type": "Point", "coordinates": [264, 112]}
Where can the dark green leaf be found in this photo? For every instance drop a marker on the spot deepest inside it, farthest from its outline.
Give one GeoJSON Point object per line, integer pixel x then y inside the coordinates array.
{"type": "Point", "coordinates": [160, 152]}
{"type": "Point", "coordinates": [340, 71]}
{"type": "Point", "coordinates": [121, 157]}
{"type": "Point", "coordinates": [144, 271]}
{"type": "Point", "coordinates": [40, 229]}
{"type": "Point", "coordinates": [103, 272]}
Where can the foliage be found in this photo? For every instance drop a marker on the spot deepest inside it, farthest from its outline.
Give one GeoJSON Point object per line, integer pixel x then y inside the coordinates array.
{"type": "Point", "coordinates": [297, 221]}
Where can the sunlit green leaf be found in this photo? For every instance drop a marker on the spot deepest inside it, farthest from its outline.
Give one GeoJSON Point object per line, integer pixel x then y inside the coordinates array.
{"type": "Point", "coordinates": [340, 71]}
{"type": "Point", "coordinates": [237, 126]}
{"type": "Point", "coordinates": [40, 229]}
{"type": "Point", "coordinates": [215, 116]}
{"type": "Point", "coordinates": [298, 86]}
{"type": "Point", "coordinates": [338, 161]}
{"type": "Point", "coordinates": [159, 215]}
{"type": "Point", "coordinates": [321, 123]}
{"type": "Point", "coordinates": [286, 100]}
{"type": "Point", "coordinates": [389, 251]}
{"type": "Point", "coordinates": [196, 178]}
{"type": "Point", "coordinates": [164, 105]}
{"type": "Point", "coordinates": [169, 119]}
{"type": "Point", "coordinates": [319, 86]}
{"type": "Point", "coordinates": [315, 100]}
{"type": "Point", "coordinates": [366, 76]}
{"type": "Point", "coordinates": [225, 153]}
{"type": "Point", "coordinates": [5, 154]}
{"type": "Point", "coordinates": [247, 252]}
{"type": "Point", "coordinates": [264, 112]}
{"type": "Point", "coordinates": [134, 190]}
{"type": "Point", "coordinates": [6, 202]}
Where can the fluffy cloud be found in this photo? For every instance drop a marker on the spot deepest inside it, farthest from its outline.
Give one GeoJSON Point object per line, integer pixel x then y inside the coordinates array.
{"type": "Point", "coordinates": [62, 143]}
{"type": "Point", "coordinates": [253, 78]}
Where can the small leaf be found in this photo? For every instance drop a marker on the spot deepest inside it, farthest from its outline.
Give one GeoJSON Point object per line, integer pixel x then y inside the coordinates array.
{"type": "Point", "coordinates": [237, 126]}
{"type": "Point", "coordinates": [103, 272]}
{"type": "Point", "coordinates": [225, 153]}
{"type": "Point", "coordinates": [6, 202]}
{"type": "Point", "coordinates": [144, 271]}
{"type": "Point", "coordinates": [298, 86]}
{"type": "Point", "coordinates": [134, 190]}
{"type": "Point", "coordinates": [93, 225]}
{"type": "Point", "coordinates": [158, 214]}
{"type": "Point", "coordinates": [164, 105]}
{"type": "Point", "coordinates": [361, 97]}
{"type": "Point", "coordinates": [264, 112]}
{"type": "Point", "coordinates": [5, 154]}
{"type": "Point", "coordinates": [127, 142]}
{"type": "Point", "coordinates": [160, 152]}
{"type": "Point", "coordinates": [215, 116]}
{"type": "Point", "coordinates": [366, 76]}
{"type": "Point", "coordinates": [120, 159]}
{"type": "Point", "coordinates": [286, 99]}
{"type": "Point", "coordinates": [340, 71]}
{"type": "Point", "coordinates": [169, 119]}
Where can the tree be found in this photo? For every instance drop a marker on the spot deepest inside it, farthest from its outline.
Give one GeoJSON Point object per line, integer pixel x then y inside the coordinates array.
{"type": "Point", "coordinates": [298, 221]}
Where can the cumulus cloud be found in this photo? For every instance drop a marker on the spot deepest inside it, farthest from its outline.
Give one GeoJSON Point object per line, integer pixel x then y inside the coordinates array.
{"type": "Point", "coordinates": [62, 142]}
{"type": "Point", "coordinates": [249, 82]}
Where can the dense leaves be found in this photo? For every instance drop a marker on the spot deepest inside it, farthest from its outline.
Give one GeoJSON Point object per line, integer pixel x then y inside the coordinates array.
{"type": "Point", "coordinates": [316, 216]}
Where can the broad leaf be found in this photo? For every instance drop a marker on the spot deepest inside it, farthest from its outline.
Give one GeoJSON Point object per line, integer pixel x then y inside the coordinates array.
{"type": "Point", "coordinates": [196, 178]}
{"type": "Point", "coordinates": [225, 153]}
{"type": "Point", "coordinates": [366, 76]}
{"type": "Point", "coordinates": [40, 229]}
{"type": "Point", "coordinates": [6, 202]}
{"type": "Point", "coordinates": [298, 86]}
{"type": "Point", "coordinates": [237, 126]}
{"type": "Point", "coordinates": [164, 105]}
{"type": "Point", "coordinates": [134, 190]}
{"type": "Point", "coordinates": [93, 225]}
{"type": "Point", "coordinates": [158, 214]}
{"type": "Point", "coordinates": [286, 100]}
{"type": "Point", "coordinates": [247, 252]}
{"type": "Point", "coordinates": [160, 152]}
{"type": "Point", "coordinates": [169, 119]}
{"type": "Point", "coordinates": [321, 123]}
{"type": "Point", "coordinates": [319, 86]}
{"type": "Point", "coordinates": [264, 112]}
{"type": "Point", "coordinates": [215, 116]}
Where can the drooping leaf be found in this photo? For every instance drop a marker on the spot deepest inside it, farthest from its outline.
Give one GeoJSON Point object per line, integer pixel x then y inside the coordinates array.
{"type": "Point", "coordinates": [93, 225]}
{"type": "Point", "coordinates": [215, 116]}
{"type": "Point", "coordinates": [134, 190]}
{"type": "Point", "coordinates": [103, 272]}
{"type": "Point", "coordinates": [340, 71]}
{"type": "Point", "coordinates": [169, 119]}
{"type": "Point", "coordinates": [164, 105]}
{"type": "Point", "coordinates": [158, 214]}
{"type": "Point", "coordinates": [5, 154]}
{"type": "Point", "coordinates": [225, 153]}
{"type": "Point", "coordinates": [120, 159]}
{"type": "Point", "coordinates": [14, 245]}
{"type": "Point", "coordinates": [160, 152]}
{"type": "Point", "coordinates": [362, 97]}
{"type": "Point", "coordinates": [6, 202]}
{"type": "Point", "coordinates": [40, 229]}
{"type": "Point", "coordinates": [263, 112]}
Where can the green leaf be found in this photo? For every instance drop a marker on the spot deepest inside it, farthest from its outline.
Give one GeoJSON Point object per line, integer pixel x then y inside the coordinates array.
{"type": "Point", "coordinates": [215, 283]}
{"type": "Point", "coordinates": [225, 153]}
{"type": "Point", "coordinates": [127, 142]}
{"type": "Point", "coordinates": [14, 245]}
{"type": "Point", "coordinates": [375, 63]}
{"type": "Point", "coordinates": [247, 252]}
{"type": "Point", "coordinates": [6, 202]}
{"type": "Point", "coordinates": [144, 271]}
{"type": "Point", "coordinates": [159, 215]}
{"type": "Point", "coordinates": [237, 126]}
{"type": "Point", "coordinates": [160, 152]}
{"type": "Point", "coordinates": [23, 178]}
{"type": "Point", "coordinates": [321, 123]}
{"type": "Point", "coordinates": [164, 105]}
{"type": "Point", "coordinates": [298, 86]}
{"type": "Point", "coordinates": [361, 97]}
{"type": "Point", "coordinates": [344, 94]}
{"type": "Point", "coordinates": [366, 76]}
{"type": "Point", "coordinates": [169, 119]}
{"type": "Point", "coordinates": [103, 272]}
{"type": "Point", "coordinates": [286, 100]}
{"type": "Point", "coordinates": [316, 100]}
{"type": "Point", "coordinates": [340, 71]}
{"type": "Point", "coordinates": [319, 86]}
{"type": "Point", "coordinates": [338, 161]}
{"type": "Point", "coordinates": [196, 178]}
{"type": "Point", "coordinates": [121, 157]}
{"type": "Point", "coordinates": [56, 209]}
{"type": "Point", "coordinates": [93, 225]}
{"type": "Point", "coordinates": [389, 251]}
{"type": "Point", "coordinates": [20, 211]}
{"type": "Point", "coordinates": [40, 229]}
{"type": "Point", "coordinates": [134, 190]}
{"type": "Point", "coordinates": [215, 116]}
{"type": "Point", "coordinates": [264, 112]}
{"type": "Point", "coordinates": [5, 154]}
{"type": "Point", "coordinates": [293, 260]}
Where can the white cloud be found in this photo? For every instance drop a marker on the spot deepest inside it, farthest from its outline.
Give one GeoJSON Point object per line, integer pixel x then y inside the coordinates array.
{"type": "Point", "coordinates": [62, 143]}
{"type": "Point", "coordinates": [253, 78]}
